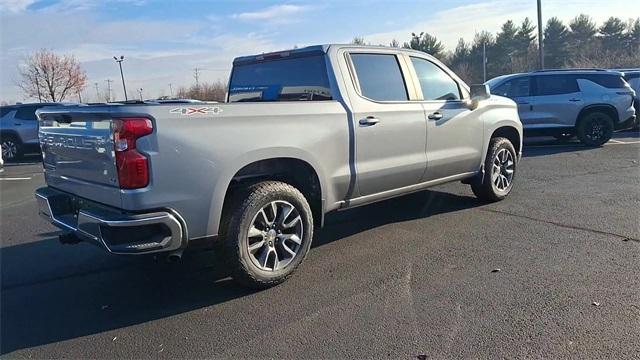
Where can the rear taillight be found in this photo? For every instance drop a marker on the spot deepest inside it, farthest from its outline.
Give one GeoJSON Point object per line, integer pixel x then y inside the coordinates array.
{"type": "Point", "coordinates": [132, 166]}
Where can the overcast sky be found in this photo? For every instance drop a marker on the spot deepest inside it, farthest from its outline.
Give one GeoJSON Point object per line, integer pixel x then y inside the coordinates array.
{"type": "Point", "coordinates": [164, 40]}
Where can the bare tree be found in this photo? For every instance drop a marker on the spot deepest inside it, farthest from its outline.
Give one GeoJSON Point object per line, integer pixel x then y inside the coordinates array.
{"type": "Point", "coordinates": [51, 77]}
{"type": "Point", "coordinates": [215, 91]}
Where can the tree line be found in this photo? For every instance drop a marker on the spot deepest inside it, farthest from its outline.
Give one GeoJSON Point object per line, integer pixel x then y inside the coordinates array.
{"type": "Point", "coordinates": [514, 48]}
{"type": "Point", "coordinates": [581, 43]}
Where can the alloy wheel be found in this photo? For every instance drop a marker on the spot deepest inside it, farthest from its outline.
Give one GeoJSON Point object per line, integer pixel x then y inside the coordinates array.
{"type": "Point", "coordinates": [596, 129]}
{"type": "Point", "coordinates": [503, 169]}
{"type": "Point", "coordinates": [9, 149]}
{"type": "Point", "coordinates": [275, 236]}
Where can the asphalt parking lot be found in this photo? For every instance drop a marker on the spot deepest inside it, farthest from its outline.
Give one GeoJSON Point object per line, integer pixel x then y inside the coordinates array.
{"type": "Point", "coordinates": [553, 271]}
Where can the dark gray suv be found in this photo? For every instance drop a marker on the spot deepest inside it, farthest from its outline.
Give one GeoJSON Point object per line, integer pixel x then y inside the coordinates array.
{"type": "Point", "coordinates": [19, 129]}
{"type": "Point", "coordinates": [589, 104]}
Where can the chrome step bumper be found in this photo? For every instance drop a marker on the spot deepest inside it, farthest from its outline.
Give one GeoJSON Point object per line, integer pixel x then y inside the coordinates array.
{"type": "Point", "coordinates": [117, 232]}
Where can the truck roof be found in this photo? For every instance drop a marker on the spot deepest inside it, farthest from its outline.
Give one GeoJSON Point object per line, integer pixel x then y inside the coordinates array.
{"type": "Point", "coordinates": [320, 49]}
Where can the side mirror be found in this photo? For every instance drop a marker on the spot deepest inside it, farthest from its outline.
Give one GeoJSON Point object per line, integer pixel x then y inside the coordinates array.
{"type": "Point", "coordinates": [480, 92]}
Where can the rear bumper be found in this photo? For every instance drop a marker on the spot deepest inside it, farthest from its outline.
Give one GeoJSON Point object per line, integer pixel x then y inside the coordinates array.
{"type": "Point", "coordinates": [116, 231]}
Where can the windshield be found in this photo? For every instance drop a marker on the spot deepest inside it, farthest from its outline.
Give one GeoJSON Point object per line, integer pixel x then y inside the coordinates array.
{"type": "Point", "coordinates": [287, 79]}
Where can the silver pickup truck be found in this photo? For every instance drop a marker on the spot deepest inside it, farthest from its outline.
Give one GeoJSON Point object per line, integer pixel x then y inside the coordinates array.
{"type": "Point", "coordinates": [302, 133]}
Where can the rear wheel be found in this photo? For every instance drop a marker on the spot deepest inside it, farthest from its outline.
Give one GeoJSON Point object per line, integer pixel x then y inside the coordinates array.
{"type": "Point", "coordinates": [595, 128]}
{"type": "Point", "coordinates": [500, 170]}
{"type": "Point", "coordinates": [11, 148]}
{"type": "Point", "coordinates": [267, 233]}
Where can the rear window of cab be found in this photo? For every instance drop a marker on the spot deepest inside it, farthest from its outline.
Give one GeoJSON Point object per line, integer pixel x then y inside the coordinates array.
{"type": "Point", "coordinates": [295, 78]}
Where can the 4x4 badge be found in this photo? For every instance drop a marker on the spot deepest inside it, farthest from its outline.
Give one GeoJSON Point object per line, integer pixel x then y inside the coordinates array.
{"type": "Point", "coordinates": [196, 110]}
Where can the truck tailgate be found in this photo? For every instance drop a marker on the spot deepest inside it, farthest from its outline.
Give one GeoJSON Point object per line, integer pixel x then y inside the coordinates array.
{"type": "Point", "coordinates": [78, 155]}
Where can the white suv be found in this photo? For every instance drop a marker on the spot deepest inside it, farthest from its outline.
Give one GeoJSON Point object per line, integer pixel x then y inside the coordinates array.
{"type": "Point", "coordinates": [589, 104]}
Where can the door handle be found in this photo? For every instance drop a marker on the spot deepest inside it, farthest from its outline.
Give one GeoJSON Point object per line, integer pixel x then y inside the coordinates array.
{"type": "Point", "coordinates": [435, 116]}
{"type": "Point", "coordinates": [369, 121]}
{"type": "Point", "coordinates": [575, 100]}
{"type": "Point", "coordinates": [17, 123]}
{"type": "Point", "coordinates": [523, 103]}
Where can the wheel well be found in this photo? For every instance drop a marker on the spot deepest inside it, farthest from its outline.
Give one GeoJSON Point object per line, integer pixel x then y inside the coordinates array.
{"type": "Point", "coordinates": [510, 133]}
{"type": "Point", "coordinates": [295, 172]}
{"type": "Point", "coordinates": [10, 133]}
{"type": "Point", "coordinates": [607, 109]}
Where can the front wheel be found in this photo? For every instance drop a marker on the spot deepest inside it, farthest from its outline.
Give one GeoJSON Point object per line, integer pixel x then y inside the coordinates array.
{"type": "Point", "coordinates": [500, 170]}
{"type": "Point", "coordinates": [595, 128]}
{"type": "Point", "coordinates": [267, 233]}
{"type": "Point", "coordinates": [11, 148]}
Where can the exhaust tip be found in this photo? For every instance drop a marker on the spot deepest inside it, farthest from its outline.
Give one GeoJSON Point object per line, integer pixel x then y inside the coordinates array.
{"type": "Point", "coordinates": [174, 257]}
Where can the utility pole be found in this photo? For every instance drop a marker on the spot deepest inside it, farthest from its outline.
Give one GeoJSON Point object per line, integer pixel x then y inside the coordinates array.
{"type": "Point", "coordinates": [124, 87]}
{"type": "Point", "coordinates": [540, 39]}
{"type": "Point", "coordinates": [484, 62]}
{"type": "Point", "coordinates": [140, 92]}
{"type": "Point", "coordinates": [196, 75]}
{"type": "Point", "coordinates": [171, 89]}
{"type": "Point", "coordinates": [79, 97]}
{"type": "Point", "coordinates": [97, 92]}
{"type": "Point", "coordinates": [109, 81]}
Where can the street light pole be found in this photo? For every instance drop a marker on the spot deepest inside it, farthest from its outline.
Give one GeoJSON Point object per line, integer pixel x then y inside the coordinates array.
{"type": "Point", "coordinates": [540, 40]}
{"type": "Point", "coordinates": [484, 62]}
{"type": "Point", "coordinates": [124, 87]}
{"type": "Point", "coordinates": [171, 89]}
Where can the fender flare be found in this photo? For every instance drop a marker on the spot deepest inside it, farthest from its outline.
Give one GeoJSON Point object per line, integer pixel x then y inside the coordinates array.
{"type": "Point", "coordinates": [223, 182]}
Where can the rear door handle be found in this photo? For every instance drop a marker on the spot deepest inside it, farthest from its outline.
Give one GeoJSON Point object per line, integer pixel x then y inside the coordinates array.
{"type": "Point", "coordinates": [523, 103]}
{"type": "Point", "coordinates": [369, 121]}
{"type": "Point", "coordinates": [575, 100]}
{"type": "Point", "coordinates": [435, 116]}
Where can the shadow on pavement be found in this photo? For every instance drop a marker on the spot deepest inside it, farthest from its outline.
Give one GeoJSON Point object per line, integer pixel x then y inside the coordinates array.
{"type": "Point", "coordinates": [27, 159]}
{"type": "Point", "coordinates": [71, 297]}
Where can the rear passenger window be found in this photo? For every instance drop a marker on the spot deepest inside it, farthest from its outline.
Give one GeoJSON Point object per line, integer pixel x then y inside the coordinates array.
{"type": "Point", "coordinates": [26, 113]}
{"type": "Point", "coordinates": [434, 82]}
{"type": "Point", "coordinates": [4, 110]}
{"type": "Point", "coordinates": [380, 77]}
{"type": "Point", "coordinates": [608, 81]}
{"type": "Point", "coordinates": [513, 88]}
{"type": "Point", "coordinates": [555, 85]}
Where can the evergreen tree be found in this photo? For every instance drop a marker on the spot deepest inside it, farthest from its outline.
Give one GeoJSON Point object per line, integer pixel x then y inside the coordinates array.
{"type": "Point", "coordinates": [505, 48]}
{"type": "Point", "coordinates": [475, 56]}
{"type": "Point", "coordinates": [524, 40]}
{"type": "Point", "coordinates": [613, 34]}
{"type": "Point", "coordinates": [426, 43]}
{"type": "Point", "coordinates": [460, 54]}
{"type": "Point", "coordinates": [582, 29]}
{"type": "Point", "coordinates": [556, 43]}
{"type": "Point", "coordinates": [633, 36]}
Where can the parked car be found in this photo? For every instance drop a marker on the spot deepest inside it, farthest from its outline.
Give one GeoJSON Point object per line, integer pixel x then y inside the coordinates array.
{"type": "Point", "coordinates": [304, 132]}
{"type": "Point", "coordinates": [589, 104]}
{"type": "Point", "coordinates": [19, 129]}
{"type": "Point", "coordinates": [632, 76]}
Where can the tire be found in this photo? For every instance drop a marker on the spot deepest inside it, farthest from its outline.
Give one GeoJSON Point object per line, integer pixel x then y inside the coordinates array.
{"type": "Point", "coordinates": [254, 239]}
{"type": "Point", "coordinates": [11, 148]}
{"type": "Point", "coordinates": [497, 182]}
{"type": "Point", "coordinates": [595, 128]}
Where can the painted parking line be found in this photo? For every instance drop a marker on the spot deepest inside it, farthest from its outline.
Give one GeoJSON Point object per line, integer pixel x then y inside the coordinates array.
{"type": "Point", "coordinates": [15, 178]}
{"type": "Point", "coordinates": [618, 142]}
